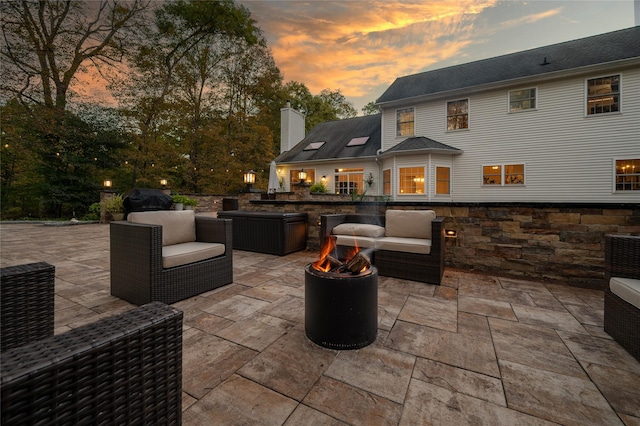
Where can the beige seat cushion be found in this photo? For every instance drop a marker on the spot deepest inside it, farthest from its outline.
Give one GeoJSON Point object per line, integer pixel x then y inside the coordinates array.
{"type": "Point", "coordinates": [355, 241]}
{"type": "Point", "coordinates": [407, 245]}
{"type": "Point", "coordinates": [177, 226]}
{"type": "Point", "coordinates": [361, 229]}
{"type": "Point", "coordinates": [627, 289]}
{"type": "Point", "coordinates": [182, 254]}
{"type": "Point", "coordinates": [409, 223]}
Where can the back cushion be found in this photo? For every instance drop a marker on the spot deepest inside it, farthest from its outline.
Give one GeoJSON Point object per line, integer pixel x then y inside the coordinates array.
{"type": "Point", "coordinates": [177, 226]}
{"type": "Point", "coordinates": [409, 223]}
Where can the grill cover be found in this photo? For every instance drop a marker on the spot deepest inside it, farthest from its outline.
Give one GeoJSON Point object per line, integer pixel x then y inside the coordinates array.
{"type": "Point", "coordinates": [146, 199]}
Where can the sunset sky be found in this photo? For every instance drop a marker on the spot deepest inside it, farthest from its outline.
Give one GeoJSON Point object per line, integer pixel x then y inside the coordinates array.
{"type": "Point", "coordinates": [361, 47]}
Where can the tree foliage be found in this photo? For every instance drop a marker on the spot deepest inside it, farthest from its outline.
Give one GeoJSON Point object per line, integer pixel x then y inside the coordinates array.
{"type": "Point", "coordinates": [198, 100]}
{"type": "Point", "coordinates": [371, 109]}
{"type": "Point", "coordinates": [326, 106]}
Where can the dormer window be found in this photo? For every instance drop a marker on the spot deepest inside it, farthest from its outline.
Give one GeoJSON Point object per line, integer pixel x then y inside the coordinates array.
{"type": "Point", "coordinates": [313, 146]}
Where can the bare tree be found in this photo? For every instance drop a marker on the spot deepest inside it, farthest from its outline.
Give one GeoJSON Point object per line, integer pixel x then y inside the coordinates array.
{"type": "Point", "coordinates": [47, 43]}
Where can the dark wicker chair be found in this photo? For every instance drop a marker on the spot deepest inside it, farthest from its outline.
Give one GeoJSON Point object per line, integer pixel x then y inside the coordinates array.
{"type": "Point", "coordinates": [126, 369]}
{"type": "Point", "coordinates": [621, 319]}
{"type": "Point", "coordinates": [427, 268]}
{"type": "Point", "coordinates": [31, 319]}
{"type": "Point", "coordinates": [137, 274]}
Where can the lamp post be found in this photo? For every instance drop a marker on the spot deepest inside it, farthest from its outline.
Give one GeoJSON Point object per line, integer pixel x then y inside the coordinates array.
{"type": "Point", "coordinates": [249, 178]}
{"type": "Point", "coordinates": [302, 175]}
{"type": "Point", "coordinates": [107, 193]}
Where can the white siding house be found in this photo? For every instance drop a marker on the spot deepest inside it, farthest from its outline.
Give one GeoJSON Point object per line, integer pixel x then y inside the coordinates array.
{"type": "Point", "coordinates": [559, 123]}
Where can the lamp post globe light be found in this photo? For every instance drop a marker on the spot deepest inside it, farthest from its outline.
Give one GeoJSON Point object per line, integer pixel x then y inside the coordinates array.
{"type": "Point", "coordinates": [302, 175]}
{"type": "Point", "coordinates": [249, 178]}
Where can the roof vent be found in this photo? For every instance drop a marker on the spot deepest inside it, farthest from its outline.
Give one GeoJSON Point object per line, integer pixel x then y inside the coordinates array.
{"type": "Point", "coordinates": [545, 62]}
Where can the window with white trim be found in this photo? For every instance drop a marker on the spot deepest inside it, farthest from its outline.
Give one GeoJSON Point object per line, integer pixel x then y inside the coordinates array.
{"type": "Point", "coordinates": [349, 181]}
{"type": "Point", "coordinates": [503, 174]}
{"type": "Point", "coordinates": [458, 114]}
{"type": "Point", "coordinates": [443, 180]}
{"type": "Point", "coordinates": [405, 124]}
{"type": "Point", "coordinates": [628, 175]}
{"type": "Point", "coordinates": [603, 95]}
{"type": "Point", "coordinates": [411, 180]}
{"type": "Point", "coordinates": [386, 182]}
{"type": "Point", "coordinates": [522, 100]}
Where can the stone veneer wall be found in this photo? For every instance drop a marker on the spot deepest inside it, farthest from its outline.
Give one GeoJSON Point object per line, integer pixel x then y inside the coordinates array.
{"type": "Point", "coordinates": [553, 242]}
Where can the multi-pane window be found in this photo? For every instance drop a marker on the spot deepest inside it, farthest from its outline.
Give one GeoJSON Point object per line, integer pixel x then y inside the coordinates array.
{"type": "Point", "coordinates": [603, 95]}
{"type": "Point", "coordinates": [521, 100]}
{"type": "Point", "coordinates": [492, 175]}
{"type": "Point", "coordinates": [405, 122]}
{"type": "Point", "coordinates": [503, 174]}
{"type": "Point", "coordinates": [386, 182]}
{"type": "Point", "coordinates": [514, 174]}
{"type": "Point", "coordinates": [458, 114]}
{"type": "Point", "coordinates": [628, 175]}
{"type": "Point", "coordinates": [411, 180]}
{"type": "Point", "coordinates": [443, 180]}
{"type": "Point", "coordinates": [349, 181]}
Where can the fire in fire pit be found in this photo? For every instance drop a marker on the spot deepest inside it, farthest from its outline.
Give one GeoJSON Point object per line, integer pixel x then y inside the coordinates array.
{"type": "Point", "coordinates": [341, 301]}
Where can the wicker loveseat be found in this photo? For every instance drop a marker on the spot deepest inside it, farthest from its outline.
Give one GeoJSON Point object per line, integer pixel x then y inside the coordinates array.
{"type": "Point", "coordinates": [168, 256]}
{"type": "Point", "coordinates": [408, 244]}
{"type": "Point", "coordinates": [125, 369]}
{"type": "Point", "coordinates": [622, 291]}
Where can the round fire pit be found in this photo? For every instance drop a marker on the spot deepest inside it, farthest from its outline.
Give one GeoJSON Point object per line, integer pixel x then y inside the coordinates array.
{"type": "Point", "coordinates": [341, 309]}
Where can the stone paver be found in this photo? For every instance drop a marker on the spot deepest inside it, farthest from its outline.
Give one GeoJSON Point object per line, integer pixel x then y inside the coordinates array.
{"type": "Point", "coordinates": [479, 349]}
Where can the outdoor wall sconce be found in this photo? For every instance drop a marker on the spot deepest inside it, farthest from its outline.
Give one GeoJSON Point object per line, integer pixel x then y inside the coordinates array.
{"type": "Point", "coordinates": [323, 179]}
{"type": "Point", "coordinates": [249, 178]}
{"type": "Point", "coordinates": [450, 233]}
{"type": "Point", "coordinates": [107, 184]}
{"type": "Point", "coordinates": [302, 175]}
{"type": "Point", "coordinates": [370, 180]}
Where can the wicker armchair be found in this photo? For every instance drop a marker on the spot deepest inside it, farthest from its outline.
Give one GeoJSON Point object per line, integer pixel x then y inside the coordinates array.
{"type": "Point", "coordinates": [31, 319]}
{"type": "Point", "coordinates": [137, 273]}
{"type": "Point", "coordinates": [622, 319]}
{"type": "Point", "coordinates": [125, 369]}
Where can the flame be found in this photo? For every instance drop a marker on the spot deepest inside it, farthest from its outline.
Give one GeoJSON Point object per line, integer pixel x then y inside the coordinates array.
{"type": "Point", "coordinates": [323, 263]}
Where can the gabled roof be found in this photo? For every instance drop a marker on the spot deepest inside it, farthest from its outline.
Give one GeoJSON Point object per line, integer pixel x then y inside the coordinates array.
{"type": "Point", "coordinates": [599, 49]}
{"type": "Point", "coordinates": [421, 144]}
{"type": "Point", "coordinates": [337, 135]}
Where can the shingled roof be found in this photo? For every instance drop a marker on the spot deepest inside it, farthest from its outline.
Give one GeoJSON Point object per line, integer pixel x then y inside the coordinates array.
{"type": "Point", "coordinates": [604, 48]}
{"type": "Point", "coordinates": [421, 144]}
{"type": "Point", "coordinates": [336, 136]}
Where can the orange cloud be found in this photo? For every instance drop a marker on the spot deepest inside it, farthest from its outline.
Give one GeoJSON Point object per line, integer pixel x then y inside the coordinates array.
{"type": "Point", "coordinates": [356, 46]}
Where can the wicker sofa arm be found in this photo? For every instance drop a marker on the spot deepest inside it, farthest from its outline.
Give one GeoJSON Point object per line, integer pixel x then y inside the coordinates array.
{"type": "Point", "coordinates": [214, 230]}
{"type": "Point", "coordinates": [26, 304]}
{"type": "Point", "coordinates": [122, 369]}
{"type": "Point", "coordinates": [437, 235]}
{"type": "Point", "coordinates": [328, 222]}
{"type": "Point", "coordinates": [621, 257]}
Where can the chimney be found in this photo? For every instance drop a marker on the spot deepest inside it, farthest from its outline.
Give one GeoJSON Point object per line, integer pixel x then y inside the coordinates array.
{"type": "Point", "coordinates": [291, 127]}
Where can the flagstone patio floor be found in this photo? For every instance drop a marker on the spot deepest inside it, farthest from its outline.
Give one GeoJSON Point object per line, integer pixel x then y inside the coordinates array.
{"type": "Point", "coordinates": [479, 349]}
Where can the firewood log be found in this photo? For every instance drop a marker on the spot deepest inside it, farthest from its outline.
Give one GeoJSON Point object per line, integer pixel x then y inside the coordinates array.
{"type": "Point", "coordinates": [359, 262]}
